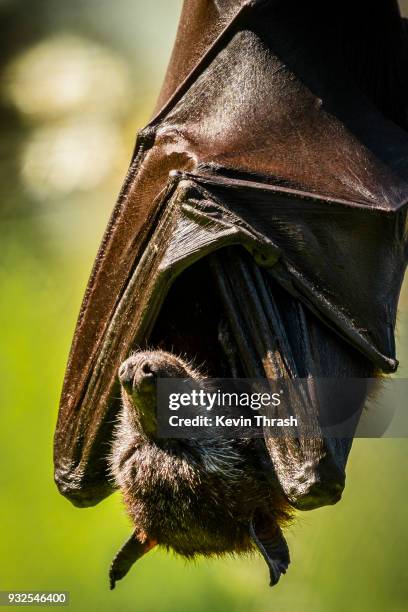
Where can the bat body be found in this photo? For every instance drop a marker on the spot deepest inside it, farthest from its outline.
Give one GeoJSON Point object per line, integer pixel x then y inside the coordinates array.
{"type": "Point", "coordinates": [195, 496]}
{"type": "Point", "coordinates": [261, 229]}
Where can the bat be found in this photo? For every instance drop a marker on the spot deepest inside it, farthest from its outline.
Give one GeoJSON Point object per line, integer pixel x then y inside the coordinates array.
{"type": "Point", "coordinates": [196, 496]}
{"type": "Point", "coordinates": [261, 230]}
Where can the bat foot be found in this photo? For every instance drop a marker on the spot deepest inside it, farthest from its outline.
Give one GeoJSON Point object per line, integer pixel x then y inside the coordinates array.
{"type": "Point", "coordinates": [130, 552]}
{"type": "Point", "coordinates": [269, 539]}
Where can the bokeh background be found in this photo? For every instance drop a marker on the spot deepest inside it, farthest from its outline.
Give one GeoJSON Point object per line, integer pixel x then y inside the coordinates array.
{"type": "Point", "coordinates": [78, 79]}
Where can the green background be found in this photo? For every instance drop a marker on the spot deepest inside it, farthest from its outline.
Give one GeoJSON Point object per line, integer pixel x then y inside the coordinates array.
{"type": "Point", "coordinates": [352, 556]}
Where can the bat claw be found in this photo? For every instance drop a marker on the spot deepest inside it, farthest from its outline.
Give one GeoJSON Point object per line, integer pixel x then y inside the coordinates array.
{"type": "Point", "coordinates": [276, 569]}
{"type": "Point", "coordinates": [269, 539]}
{"type": "Point", "coordinates": [112, 579]}
{"type": "Point", "coordinates": [130, 552]}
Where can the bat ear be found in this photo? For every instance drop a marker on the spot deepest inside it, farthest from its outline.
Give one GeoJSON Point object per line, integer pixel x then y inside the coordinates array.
{"type": "Point", "coordinates": [268, 537]}
{"type": "Point", "coordinates": [130, 552]}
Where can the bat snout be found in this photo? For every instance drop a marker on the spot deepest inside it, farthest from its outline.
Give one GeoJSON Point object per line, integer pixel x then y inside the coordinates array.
{"type": "Point", "coordinates": [135, 373]}
{"type": "Point", "coordinates": [142, 369]}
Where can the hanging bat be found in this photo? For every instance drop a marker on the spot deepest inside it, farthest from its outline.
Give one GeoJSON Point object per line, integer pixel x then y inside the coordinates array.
{"type": "Point", "coordinates": [196, 496]}
{"type": "Point", "coordinates": [261, 230]}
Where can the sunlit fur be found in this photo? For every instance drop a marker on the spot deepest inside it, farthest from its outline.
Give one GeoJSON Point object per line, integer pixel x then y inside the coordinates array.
{"type": "Point", "coordinates": [194, 496]}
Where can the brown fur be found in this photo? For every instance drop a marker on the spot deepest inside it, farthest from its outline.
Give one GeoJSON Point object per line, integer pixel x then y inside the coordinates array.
{"type": "Point", "coordinates": [196, 496]}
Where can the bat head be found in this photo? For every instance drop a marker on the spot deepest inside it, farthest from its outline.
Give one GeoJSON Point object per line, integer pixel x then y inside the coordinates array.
{"type": "Point", "coordinates": [138, 377]}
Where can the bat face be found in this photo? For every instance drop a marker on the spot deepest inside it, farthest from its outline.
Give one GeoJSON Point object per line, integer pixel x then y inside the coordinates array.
{"type": "Point", "coordinates": [262, 230]}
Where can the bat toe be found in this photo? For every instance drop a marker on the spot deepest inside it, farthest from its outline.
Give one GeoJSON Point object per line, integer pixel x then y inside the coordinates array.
{"type": "Point", "coordinates": [269, 539]}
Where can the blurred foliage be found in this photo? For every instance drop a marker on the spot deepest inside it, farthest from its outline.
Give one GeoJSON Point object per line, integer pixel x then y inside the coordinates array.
{"type": "Point", "coordinates": [77, 80]}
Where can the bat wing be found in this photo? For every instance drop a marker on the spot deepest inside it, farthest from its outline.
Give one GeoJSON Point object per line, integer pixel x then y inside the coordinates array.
{"type": "Point", "coordinates": [250, 152]}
